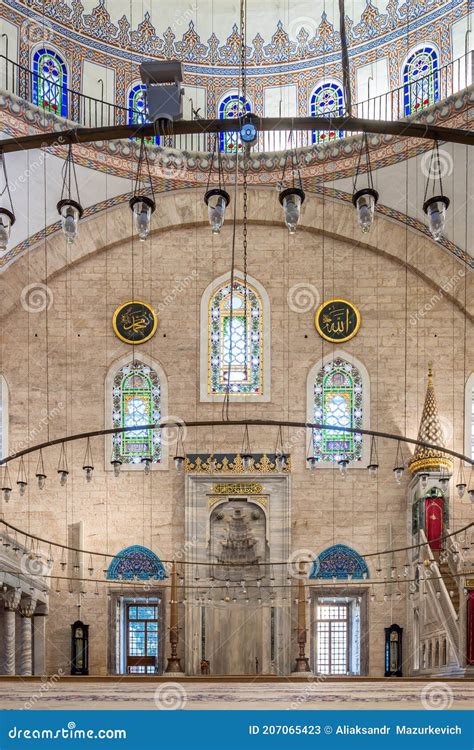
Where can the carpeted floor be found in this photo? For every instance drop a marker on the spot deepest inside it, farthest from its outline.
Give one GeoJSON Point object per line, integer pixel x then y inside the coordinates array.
{"type": "Point", "coordinates": [129, 693]}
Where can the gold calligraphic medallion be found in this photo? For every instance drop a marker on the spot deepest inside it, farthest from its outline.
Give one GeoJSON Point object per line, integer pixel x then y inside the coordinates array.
{"type": "Point", "coordinates": [337, 320]}
{"type": "Point", "coordinates": [134, 322]}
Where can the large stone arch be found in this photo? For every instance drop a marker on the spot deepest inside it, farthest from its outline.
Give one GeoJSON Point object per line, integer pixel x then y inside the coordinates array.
{"type": "Point", "coordinates": [180, 209]}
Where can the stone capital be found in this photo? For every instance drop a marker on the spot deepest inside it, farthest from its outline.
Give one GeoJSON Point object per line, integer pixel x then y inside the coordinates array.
{"type": "Point", "coordinates": [27, 606]}
{"type": "Point", "coordinates": [11, 598]}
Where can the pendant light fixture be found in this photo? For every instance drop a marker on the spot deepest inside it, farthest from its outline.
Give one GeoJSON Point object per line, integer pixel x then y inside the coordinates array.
{"type": "Point", "coordinates": [40, 473]}
{"type": "Point", "coordinates": [63, 470]}
{"type": "Point", "coordinates": [343, 463]}
{"type": "Point", "coordinates": [399, 467]}
{"type": "Point", "coordinates": [88, 464]}
{"type": "Point", "coordinates": [146, 461]}
{"type": "Point", "coordinates": [365, 199]}
{"type": "Point", "coordinates": [444, 480]}
{"type": "Point", "coordinates": [281, 457]}
{"type": "Point", "coordinates": [7, 216]}
{"type": "Point", "coordinates": [435, 207]}
{"type": "Point", "coordinates": [246, 452]}
{"type": "Point", "coordinates": [21, 480]}
{"type": "Point", "coordinates": [292, 198]}
{"type": "Point", "coordinates": [141, 204]}
{"type": "Point", "coordinates": [312, 458]}
{"type": "Point", "coordinates": [6, 484]}
{"type": "Point", "coordinates": [216, 199]}
{"type": "Point", "coordinates": [69, 209]}
{"type": "Point", "coordinates": [373, 466]}
{"type": "Point", "coordinates": [116, 462]}
{"type": "Point", "coordinates": [461, 481]}
{"type": "Point", "coordinates": [179, 454]}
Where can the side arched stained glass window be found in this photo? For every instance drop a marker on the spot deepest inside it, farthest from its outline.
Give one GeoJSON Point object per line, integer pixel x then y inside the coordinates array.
{"type": "Point", "coordinates": [338, 402]}
{"type": "Point", "coordinates": [235, 340]}
{"type": "Point", "coordinates": [136, 400]}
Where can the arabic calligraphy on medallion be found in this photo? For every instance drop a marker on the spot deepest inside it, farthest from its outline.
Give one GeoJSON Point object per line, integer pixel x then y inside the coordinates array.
{"type": "Point", "coordinates": [134, 322]}
{"type": "Point", "coordinates": [337, 320]}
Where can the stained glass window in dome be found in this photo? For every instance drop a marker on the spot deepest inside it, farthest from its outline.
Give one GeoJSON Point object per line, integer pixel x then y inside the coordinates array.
{"type": "Point", "coordinates": [232, 107]}
{"type": "Point", "coordinates": [50, 81]}
{"type": "Point", "coordinates": [327, 99]}
{"type": "Point", "coordinates": [338, 403]}
{"type": "Point", "coordinates": [137, 109]}
{"type": "Point", "coordinates": [136, 400]}
{"type": "Point", "coordinates": [420, 80]}
{"type": "Point", "coordinates": [235, 343]}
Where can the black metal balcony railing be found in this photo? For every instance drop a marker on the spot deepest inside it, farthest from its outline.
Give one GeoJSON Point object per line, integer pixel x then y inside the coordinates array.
{"type": "Point", "coordinates": [88, 111]}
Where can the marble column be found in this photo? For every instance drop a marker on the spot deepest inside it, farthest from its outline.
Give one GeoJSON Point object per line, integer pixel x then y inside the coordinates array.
{"type": "Point", "coordinates": [12, 599]}
{"type": "Point", "coordinates": [27, 608]}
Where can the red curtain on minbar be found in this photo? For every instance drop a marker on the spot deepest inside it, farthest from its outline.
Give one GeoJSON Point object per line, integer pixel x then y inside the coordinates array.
{"type": "Point", "coordinates": [434, 521]}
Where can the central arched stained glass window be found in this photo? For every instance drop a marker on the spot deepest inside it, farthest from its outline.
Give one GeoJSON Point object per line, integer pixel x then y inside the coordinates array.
{"type": "Point", "coordinates": [420, 80]}
{"type": "Point", "coordinates": [235, 340]}
{"type": "Point", "coordinates": [232, 107]}
{"type": "Point", "coordinates": [137, 109]}
{"type": "Point", "coordinates": [338, 402]}
{"type": "Point", "coordinates": [50, 81]}
{"type": "Point", "coordinates": [327, 99]}
{"type": "Point", "coordinates": [136, 400]}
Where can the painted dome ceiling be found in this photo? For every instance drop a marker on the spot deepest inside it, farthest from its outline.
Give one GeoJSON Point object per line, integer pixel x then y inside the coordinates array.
{"type": "Point", "coordinates": [207, 31]}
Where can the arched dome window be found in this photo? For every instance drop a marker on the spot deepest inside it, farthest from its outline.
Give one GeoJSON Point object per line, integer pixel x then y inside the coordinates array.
{"type": "Point", "coordinates": [136, 394]}
{"type": "Point", "coordinates": [243, 359]}
{"type": "Point", "coordinates": [327, 99]}
{"type": "Point", "coordinates": [339, 395]}
{"type": "Point", "coordinates": [232, 106]}
{"type": "Point", "coordinates": [420, 80]}
{"type": "Point", "coordinates": [136, 562]}
{"type": "Point", "coordinates": [339, 562]}
{"type": "Point", "coordinates": [137, 109]}
{"type": "Point", "coordinates": [50, 81]}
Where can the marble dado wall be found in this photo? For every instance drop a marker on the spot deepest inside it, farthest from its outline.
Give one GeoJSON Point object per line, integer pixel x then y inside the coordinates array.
{"type": "Point", "coordinates": [73, 346]}
{"type": "Point", "coordinates": [286, 59]}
